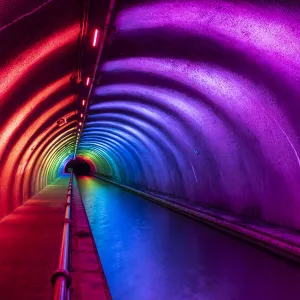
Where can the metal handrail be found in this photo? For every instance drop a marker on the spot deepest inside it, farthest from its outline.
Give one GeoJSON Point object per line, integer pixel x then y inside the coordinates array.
{"type": "Point", "coordinates": [61, 278]}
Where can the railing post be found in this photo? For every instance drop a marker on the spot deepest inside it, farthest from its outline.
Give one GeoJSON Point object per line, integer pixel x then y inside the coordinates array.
{"type": "Point", "coordinates": [61, 279]}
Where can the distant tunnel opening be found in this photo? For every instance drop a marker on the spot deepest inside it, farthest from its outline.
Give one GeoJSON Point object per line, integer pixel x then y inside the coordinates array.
{"type": "Point", "coordinates": [79, 166]}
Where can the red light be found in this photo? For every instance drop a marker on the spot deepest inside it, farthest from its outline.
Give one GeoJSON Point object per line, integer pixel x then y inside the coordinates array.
{"type": "Point", "coordinates": [88, 81]}
{"type": "Point", "coordinates": [95, 37]}
{"type": "Point", "coordinates": [83, 102]}
{"type": "Point", "coordinates": [81, 115]}
{"type": "Point", "coordinates": [80, 123]}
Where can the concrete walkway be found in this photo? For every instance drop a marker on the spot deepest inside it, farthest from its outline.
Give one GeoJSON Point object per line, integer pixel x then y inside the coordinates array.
{"type": "Point", "coordinates": [88, 278]}
{"type": "Point", "coordinates": [30, 240]}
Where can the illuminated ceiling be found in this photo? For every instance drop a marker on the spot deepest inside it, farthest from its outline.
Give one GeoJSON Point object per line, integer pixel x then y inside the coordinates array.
{"type": "Point", "coordinates": [198, 101]}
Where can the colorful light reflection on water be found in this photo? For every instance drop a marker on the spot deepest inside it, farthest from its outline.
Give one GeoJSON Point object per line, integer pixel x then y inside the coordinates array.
{"type": "Point", "coordinates": [149, 252]}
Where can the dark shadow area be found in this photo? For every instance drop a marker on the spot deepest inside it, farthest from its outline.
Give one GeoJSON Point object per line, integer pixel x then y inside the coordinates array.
{"type": "Point", "coordinates": [79, 166]}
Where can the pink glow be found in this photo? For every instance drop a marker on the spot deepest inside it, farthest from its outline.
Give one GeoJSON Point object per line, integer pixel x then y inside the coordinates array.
{"type": "Point", "coordinates": [95, 37]}
{"type": "Point", "coordinates": [88, 81]}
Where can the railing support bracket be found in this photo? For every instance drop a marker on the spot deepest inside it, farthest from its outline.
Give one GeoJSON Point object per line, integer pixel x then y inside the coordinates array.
{"type": "Point", "coordinates": [62, 273]}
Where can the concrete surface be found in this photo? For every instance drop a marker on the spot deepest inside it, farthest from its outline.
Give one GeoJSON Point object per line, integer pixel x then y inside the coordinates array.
{"type": "Point", "coordinates": [88, 277]}
{"type": "Point", "coordinates": [30, 241]}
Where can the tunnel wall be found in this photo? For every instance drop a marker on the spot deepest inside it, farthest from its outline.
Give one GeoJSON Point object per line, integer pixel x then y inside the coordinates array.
{"type": "Point", "coordinates": [37, 58]}
{"type": "Point", "coordinates": [199, 101]}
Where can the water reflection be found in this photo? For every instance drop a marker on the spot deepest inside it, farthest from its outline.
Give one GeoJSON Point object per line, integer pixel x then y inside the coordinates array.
{"type": "Point", "coordinates": [149, 252]}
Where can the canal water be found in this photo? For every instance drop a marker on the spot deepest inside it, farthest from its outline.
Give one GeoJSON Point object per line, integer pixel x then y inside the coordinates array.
{"type": "Point", "coordinates": [149, 252]}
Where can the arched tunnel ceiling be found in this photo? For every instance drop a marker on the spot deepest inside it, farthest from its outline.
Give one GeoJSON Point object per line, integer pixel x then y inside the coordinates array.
{"type": "Point", "coordinates": [197, 101]}
{"type": "Point", "coordinates": [38, 54]}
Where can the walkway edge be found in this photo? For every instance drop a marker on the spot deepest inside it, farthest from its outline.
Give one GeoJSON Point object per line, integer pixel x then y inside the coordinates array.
{"type": "Point", "coordinates": [89, 280]}
{"type": "Point", "coordinates": [258, 238]}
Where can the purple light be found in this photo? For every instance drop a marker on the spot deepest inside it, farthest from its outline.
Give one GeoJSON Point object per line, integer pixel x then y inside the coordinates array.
{"type": "Point", "coordinates": [219, 78]}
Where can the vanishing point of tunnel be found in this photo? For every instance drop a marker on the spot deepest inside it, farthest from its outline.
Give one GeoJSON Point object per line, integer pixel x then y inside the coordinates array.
{"type": "Point", "coordinates": [150, 149]}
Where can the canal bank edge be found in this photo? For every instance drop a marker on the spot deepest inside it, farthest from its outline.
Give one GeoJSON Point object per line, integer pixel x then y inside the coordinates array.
{"type": "Point", "coordinates": [275, 244]}
{"type": "Point", "coordinates": [88, 278]}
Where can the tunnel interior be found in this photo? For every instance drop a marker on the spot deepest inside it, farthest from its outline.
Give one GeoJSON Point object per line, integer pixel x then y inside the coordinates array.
{"type": "Point", "coordinates": [194, 105]}
{"type": "Point", "coordinates": [194, 101]}
{"type": "Point", "coordinates": [78, 166]}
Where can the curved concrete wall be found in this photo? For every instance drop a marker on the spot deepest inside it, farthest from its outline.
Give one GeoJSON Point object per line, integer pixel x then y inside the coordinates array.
{"type": "Point", "coordinates": [200, 101]}
{"type": "Point", "coordinates": [37, 57]}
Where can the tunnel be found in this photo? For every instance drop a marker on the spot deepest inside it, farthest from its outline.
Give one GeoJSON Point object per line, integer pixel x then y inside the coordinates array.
{"type": "Point", "coordinates": [78, 167]}
{"type": "Point", "coordinates": [192, 105]}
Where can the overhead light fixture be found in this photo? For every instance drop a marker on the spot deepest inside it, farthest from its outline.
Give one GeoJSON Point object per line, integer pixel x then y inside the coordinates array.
{"type": "Point", "coordinates": [81, 115]}
{"type": "Point", "coordinates": [96, 33]}
{"type": "Point", "coordinates": [83, 102]}
{"type": "Point", "coordinates": [61, 122]}
{"type": "Point", "coordinates": [80, 123]}
{"type": "Point", "coordinates": [88, 81]}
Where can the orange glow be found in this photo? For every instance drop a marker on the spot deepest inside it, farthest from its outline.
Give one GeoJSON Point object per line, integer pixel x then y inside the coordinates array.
{"type": "Point", "coordinates": [80, 123]}
{"type": "Point", "coordinates": [30, 157]}
{"type": "Point", "coordinates": [16, 153]}
{"type": "Point", "coordinates": [15, 122]}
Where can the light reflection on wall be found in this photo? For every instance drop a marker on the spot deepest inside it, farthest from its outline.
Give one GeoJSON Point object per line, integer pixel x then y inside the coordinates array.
{"type": "Point", "coordinates": [30, 58]}
{"type": "Point", "coordinates": [201, 103]}
{"type": "Point", "coordinates": [32, 99]}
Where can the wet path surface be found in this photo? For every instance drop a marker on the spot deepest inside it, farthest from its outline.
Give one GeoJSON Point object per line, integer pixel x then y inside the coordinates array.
{"type": "Point", "coordinates": [30, 240]}
{"type": "Point", "coordinates": [151, 253]}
